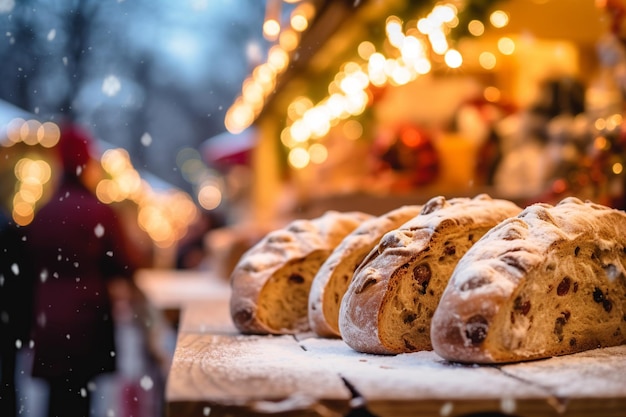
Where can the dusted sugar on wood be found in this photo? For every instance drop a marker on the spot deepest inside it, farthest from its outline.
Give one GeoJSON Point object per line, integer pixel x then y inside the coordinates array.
{"type": "Point", "coordinates": [271, 283]}
{"type": "Point", "coordinates": [335, 274]}
{"type": "Point", "coordinates": [394, 293]}
{"type": "Point", "coordinates": [551, 281]}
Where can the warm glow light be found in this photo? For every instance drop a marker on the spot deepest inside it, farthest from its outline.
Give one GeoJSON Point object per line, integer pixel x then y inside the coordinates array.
{"type": "Point", "coordinates": [23, 213]}
{"type": "Point", "coordinates": [264, 74]}
{"type": "Point", "coordinates": [476, 27]}
{"type": "Point", "coordinates": [317, 121]}
{"type": "Point", "coordinates": [299, 131]}
{"type": "Point", "coordinates": [487, 60]}
{"type": "Point", "coordinates": [48, 134]}
{"type": "Point", "coordinates": [28, 132]}
{"type": "Point", "coordinates": [252, 92]}
{"type": "Point", "coordinates": [499, 19]}
{"type": "Point", "coordinates": [299, 23]}
{"type": "Point", "coordinates": [210, 196]}
{"type": "Point", "coordinates": [600, 143]}
{"type": "Point", "coordinates": [288, 40]}
{"type": "Point", "coordinates": [438, 42]}
{"type": "Point", "coordinates": [400, 75]}
{"type": "Point", "coordinates": [506, 45]}
{"type": "Point", "coordinates": [366, 49]}
{"type": "Point", "coordinates": [453, 58]}
{"type": "Point", "coordinates": [298, 107]}
{"type": "Point", "coordinates": [106, 191]}
{"type": "Point", "coordinates": [614, 121]}
{"type": "Point", "coordinates": [444, 13]}
{"type": "Point", "coordinates": [617, 168]}
{"type": "Point", "coordinates": [13, 130]}
{"type": "Point", "coordinates": [394, 31]}
{"type": "Point", "coordinates": [352, 129]}
{"type": "Point", "coordinates": [298, 158]}
{"type": "Point", "coordinates": [492, 94]}
{"type": "Point", "coordinates": [271, 24]}
{"type": "Point", "coordinates": [238, 118]}
{"type": "Point", "coordinates": [318, 153]}
{"type": "Point", "coordinates": [426, 26]}
{"type": "Point", "coordinates": [277, 58]}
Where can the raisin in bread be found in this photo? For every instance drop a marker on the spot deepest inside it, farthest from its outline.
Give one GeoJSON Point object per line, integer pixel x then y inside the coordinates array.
{"type": "Point", "coordinates": [548, 282]}
{"type": "Point", "coordinates": [335, 274]}
{"type": "Point", "coordinates": [270, 284]}
{"type": "Point", "coordinates": [390, 302]}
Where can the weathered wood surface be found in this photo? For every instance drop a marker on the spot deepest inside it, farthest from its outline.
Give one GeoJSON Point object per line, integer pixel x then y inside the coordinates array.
{"type": "Point", "coordinates": [218, 372]}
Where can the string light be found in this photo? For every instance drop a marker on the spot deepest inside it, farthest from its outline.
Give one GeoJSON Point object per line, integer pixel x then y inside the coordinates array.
{"type": "Point", "coordinates": [164, 216]}
{"type": "Point", "coordinates": [410, 51]}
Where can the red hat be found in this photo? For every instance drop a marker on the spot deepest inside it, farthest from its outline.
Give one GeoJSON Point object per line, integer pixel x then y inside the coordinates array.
{"type": "Point", "coordinates": [74, 148]}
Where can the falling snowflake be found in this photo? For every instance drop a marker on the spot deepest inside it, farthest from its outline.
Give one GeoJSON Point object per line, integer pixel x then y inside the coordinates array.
{"type": "Point", "coordinates": [52, 34]}
{"type": "Point", "coordinates": [111, 85]}
{"type": "Point", "coordinates": [109, 253]}
{"type": "Point", "coordinates": [206, 411]}
{"type": "Point", "coordinates": [15, 269]}
{"type": "Point", "coordinates": [146, 139]}
{"type": "Point", "coordinates": [146, 383]}
{"type": "Point", "coordinates": [99, 230]}
{"type": "Point", "coordinates": [44, 275]}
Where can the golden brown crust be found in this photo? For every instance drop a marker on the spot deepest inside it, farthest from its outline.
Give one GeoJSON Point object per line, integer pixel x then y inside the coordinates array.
{"type": "Point", "coordinates": [388, 306]}
{"type": "Point", "coordinates": [549, 282]}
{"type": "Point", "coordinates": [271, 282]}
{"type": "Point", "coordinates": [335, 274]}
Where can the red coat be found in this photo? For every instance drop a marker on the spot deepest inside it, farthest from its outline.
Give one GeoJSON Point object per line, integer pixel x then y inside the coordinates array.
{"type": "Point", "coordinates": [77, 245]}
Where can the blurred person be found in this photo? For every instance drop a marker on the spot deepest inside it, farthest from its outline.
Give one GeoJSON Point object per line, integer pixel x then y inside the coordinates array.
{"type": "Point", "coordinates": [15, 310]}
{"type": "Point", "coordinates": [77, 245]}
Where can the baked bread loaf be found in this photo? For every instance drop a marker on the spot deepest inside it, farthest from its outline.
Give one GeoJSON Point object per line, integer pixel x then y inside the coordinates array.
{"type": "Point", "coordinates": [270, 284]}
{"type": "Point", "coordinates": [548, 282]}
{"type": "Point", "coordinates": [335, 274]}
{"type": "Point", "coordinates": [392, 297]}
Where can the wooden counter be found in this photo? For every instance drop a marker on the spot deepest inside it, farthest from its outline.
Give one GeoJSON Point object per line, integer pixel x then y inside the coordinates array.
{"type": "Point", "coordinates": [218, 372]}
{"type": "Point", "coordinates": [169, 290]}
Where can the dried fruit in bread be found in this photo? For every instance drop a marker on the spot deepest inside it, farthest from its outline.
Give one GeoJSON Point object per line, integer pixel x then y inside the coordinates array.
{"type": "Point", "coordinates": [270, 284]}
{"type": "Point", "coordinates": [548, 282]}
{"type": "Point", "coordinates": [393, 295]}
{"type": "Point", "coordinates": [335, 274]}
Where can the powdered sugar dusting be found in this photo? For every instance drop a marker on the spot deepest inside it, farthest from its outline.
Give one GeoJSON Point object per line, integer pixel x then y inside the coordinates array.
{"type": "Point", "coordinates": [414, 376]}
{"type": "Point", "coordinates": [594, 373]}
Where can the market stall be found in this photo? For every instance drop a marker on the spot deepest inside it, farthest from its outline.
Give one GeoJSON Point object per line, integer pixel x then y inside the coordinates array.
{"type": "Point", "coordinates": [365, 102]}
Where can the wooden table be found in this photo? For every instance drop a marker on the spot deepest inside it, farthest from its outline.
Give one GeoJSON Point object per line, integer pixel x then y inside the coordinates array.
{"type": "Point", "coordinates": [218, 372]}
{"type": "Point", "coordinates": [169, 290]}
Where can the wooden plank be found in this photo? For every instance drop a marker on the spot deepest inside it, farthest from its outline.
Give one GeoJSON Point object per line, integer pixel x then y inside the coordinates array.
{"type": "Point", "coordinates": [216, 370]}
{"type": "Point", "coordinates": [207, 316]}
{"type": "Point", "coordinates": [423, 384]}
{"type": "Point", "coordinates": [172, 289]}
{"type": "Point", "coordinates": [251, 374]}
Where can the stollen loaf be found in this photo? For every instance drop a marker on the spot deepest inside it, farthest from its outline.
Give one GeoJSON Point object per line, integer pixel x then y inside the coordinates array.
{"type": "Point", "coordinates": [270, 284]}
{"type": "Point", "coordinates": [331, 281]}
{"type": "Point", "coordinates": [389, 304]}
{"type": "Point", "coordinates": [548, 282]}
